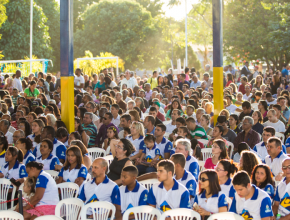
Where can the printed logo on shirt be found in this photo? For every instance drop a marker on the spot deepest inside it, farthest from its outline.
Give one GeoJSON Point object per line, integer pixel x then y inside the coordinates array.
{"type": "Point", "coordinates": [285, 203]}
{"type": "Point", "coordinates": [94, 198]}
{"type": "Point", "coordinates": [37, 181]}
{"type": "Point", "coordinates": [226, 201]}
{"type": "Point", "coordinates": [195, 171]}
{"type": "Point", "coordinates": [62, 153]}
{"type": "Point", "coordinates": [23, 172]}
{"type": "Point", "coordinates": [148, 159]}
{"type": "Point", "coordinates": [268, 191]}
{"type": "Point", "coordinates": [246, 215]}
{"type": "Point", "coordinates": [83, 172]}
{"type": "Point", "coordinates": [190, 187]}
{"type": "Point", "coordinates": [268, 209]}
{"type": "Point", "coordinates": [165, 207]}
{"type": "Point", "coordinates": [130, 206]}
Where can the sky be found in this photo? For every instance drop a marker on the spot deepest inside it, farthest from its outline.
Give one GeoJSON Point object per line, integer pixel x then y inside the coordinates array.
{"type": "Point", "coordinates": [178, 11]}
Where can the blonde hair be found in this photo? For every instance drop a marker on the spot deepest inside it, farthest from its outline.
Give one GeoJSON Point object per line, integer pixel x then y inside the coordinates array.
{"type": "Point", "coordinates": [139, 126]}
{"type": "Point", "coordinates": [227, 113]}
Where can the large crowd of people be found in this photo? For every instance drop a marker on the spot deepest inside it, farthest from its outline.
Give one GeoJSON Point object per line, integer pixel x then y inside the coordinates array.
{"type": "Point", "coordinates": [154, 126]}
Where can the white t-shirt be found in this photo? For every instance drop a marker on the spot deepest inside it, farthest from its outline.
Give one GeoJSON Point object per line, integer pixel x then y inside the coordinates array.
{"type": "Point", "coordinates": [79, 80]}
{"type": "Point", "coordinates": [272, 103]}
{"type": "Point", "coordinates": [246, 97]}
{"type": "Point", "coordinates": [279, 125]}
{"type": "Point", "coordinates": [232, 108]}
{"type": "Point", "coordinates": [16, 83]}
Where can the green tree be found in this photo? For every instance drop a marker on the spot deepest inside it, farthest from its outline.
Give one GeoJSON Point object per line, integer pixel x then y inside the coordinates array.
{"type": "Point", "coordinates": [79, 7]}
{"type": "Point", "coordinates": [3, 18]}
{"type": "Point", "coordinates": [51, 10]}
{"type": "Point", "coordinates": [248, 33]}
{"type": "Point", "coordinates": [16, 31]}
{"type": "Point", "coordinates": [154, 6]}
{"type": "Point", "coordinates": [123, 28]}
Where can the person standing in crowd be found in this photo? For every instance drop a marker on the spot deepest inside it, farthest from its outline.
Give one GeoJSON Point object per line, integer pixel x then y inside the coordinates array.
{"type": "Point", "coordinates": [90, 128]}
{"type": "Point", "coordinates": [129, 81]}
{"type": "Point", "coordinates": [17, 81]}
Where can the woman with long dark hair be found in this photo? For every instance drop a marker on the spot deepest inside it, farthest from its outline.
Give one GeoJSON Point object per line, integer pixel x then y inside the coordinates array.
{"type": "Point", "coordinates": [80, 130]}
{"type": "Point", "coordinates": [210, 199]}
{"type": "Point", "coordinates": [263, 108]}
{"type": "Point", "coordinates": [258, 120]}
{"type": "Point", "coordinates": [262, 177]}
{"type": "Point", "coordinates": [174, 105]}
{"type": "Point", "coordinates": [275, 84]}
{"type": "Point", "coordinates": [74, 169]}
{"type": "Point", "coordinates": [248, 161]}
{"type": "Point", "coordinates": [25, 145]}
{"type": "Point", "coordinates": [25, 126]}
{"type": "Point", "coordinates": [219, 151]}
{"type": "Point", "coordinates": [81, 112]}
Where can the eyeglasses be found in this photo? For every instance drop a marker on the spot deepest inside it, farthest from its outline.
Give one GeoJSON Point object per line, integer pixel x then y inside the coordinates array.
{"type": "Point", "coordinates": [203, 179]}
{"type": "Point", "coordinates": [286, 167]}
{"type": "Point", "coordinates": [119, 147]}
{"type": "Point", "coordinates": [218, 169]}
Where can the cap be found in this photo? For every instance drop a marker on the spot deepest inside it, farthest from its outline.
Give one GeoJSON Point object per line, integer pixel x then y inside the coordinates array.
{"type": "Point", "coordinates": [157, 103]}
{"type": "Point", "coordinates": [35, 103]}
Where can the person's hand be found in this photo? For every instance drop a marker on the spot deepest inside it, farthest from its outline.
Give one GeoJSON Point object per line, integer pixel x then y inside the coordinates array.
{"type": "Point", "coordinates": [203, 212]}
{"type": "Point", "coordinates": [137, 161]}
{"type": "Point", "coordinates": [20, 180]}
{"type": "Point", "coordinates": [153, 163]}
{"type": "Point", "coordinates": [58, 167]}
{"type": "Point", "coordinates": [279, 177]}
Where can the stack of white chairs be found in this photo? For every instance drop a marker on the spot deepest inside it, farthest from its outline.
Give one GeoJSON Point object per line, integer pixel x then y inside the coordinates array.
{"type": "Point", "coordinates": [68, 190]}
{"type": "Point", "coordinates": [96, 152]}
{"type": "Point", "coordinates": [206, 153]}
{"type": "Point", "coordinates": [69, 208]}
{"type": "Point", "coordinates": [100, 211]}
{"type": "Point", "coordinates": [143, 212]}
{"type": "Point", "coordinates": [181, 214]}
{"type": "Point", "coordinates": [5, 185]}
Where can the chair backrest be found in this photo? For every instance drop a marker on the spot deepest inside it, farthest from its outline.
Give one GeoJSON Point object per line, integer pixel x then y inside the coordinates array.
{"type": "Point", "coordinates": [281, 136]}
{"type": "Point", "coordinates": [167, 122]}
{"type": "Point", "coordinates": [89, 177]}
{"type": "Point", "coordinates": [100, 210]}
{"type": "Point", "coordinates": [109, 159]}
{"type": "Point", "coordinates": [96, 152]}
{"type": "Point", "coordinates": [5, 185]}
{"type": "Point", "coordinates": [181, 214]}
{"type": "Point", "coordinates": [48, 217]}
{"type": "Point", "coordinates": [53, 173]}
{"type": "Point", "coordinates": [201, 165]}
{"type": "Point", "coordinates": [231, 148]}
{"type": "Point", "coordinates": [255, 106]}
{"type": "Point", "coordinates": [148, 183]}
{"type": "Point", "coordinates": [10, 215]}
{"type": "Point", "coordinates": [68, 190]}
{"type": "Point", "coordinates": [225, 216]}
{"type": "Point", "coordinates": [70, 208]}
{"type": "Point", "coordinates": [206, 153]}
{"type": "Point", "coordinates": [144, 212]}
{"type": "Point", "coordinates": [203, 141]}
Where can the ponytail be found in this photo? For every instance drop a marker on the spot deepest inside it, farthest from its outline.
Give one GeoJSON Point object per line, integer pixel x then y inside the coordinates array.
{"type": "Point", "coordinates": [16, 152]}
{"type": "Point", "coordinates": [229, 166]}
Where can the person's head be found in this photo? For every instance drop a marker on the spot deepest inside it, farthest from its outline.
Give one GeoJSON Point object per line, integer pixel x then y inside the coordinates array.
{"type": "Point", "coordinates": [124, 148]}
{"type": "Point", "coordinates": [62, 134]}
{"type": "Point", "coordinates": [17, 135]}
{"type": "Point", "coordinates": [179, 160]}
{"type": "Point", "coordinates": [134, 115]}
{"type": "Point", "coordinates": [48, 132]}
{"type": "Point", "coordinates": [262, 176]}
{"type": "Point", "coordinates": [73, 157]}
{"type": "Point", "coordinates": [165, 170]}
{"type": "Point", "coordinates": [24, 144]}
{"type": "Point", "coordinates": [274, 146]}
{"type": "Point", "coordinates": [222, 121]}
{"type": "Point", "coordinates": [286, 167]}
{"type": "Point", "coordinates": [226, 168]}
{"type": "Point", "coordinates": [149, 141]}
{"type": "Point", "coordinates": [33, 168]}
{"type": "Point", "coordinates": [125, 121]}
{"type": "Point", "coordinates": [219, 149]}
{"type": "Point", "coordinates": [248, 123]}
{"type": "Point", "coordinates": [37, 126]}
{"type": "Point", "coordinates": [217, 131]}
{"type": "Point", "coordinates": [183, 131]}
{"type": "Point", "coordinates": [4, 125]}
{"type": "Point", "coordinates": [267, 133]}
{"type": "Point", "coordinates": [242, 183]}
{"type": "Point", "coordinates": [107, 119]}
{"type": "Point", "coordinates": [99, 167]}
{"type": "Point", "coordinates": [257, 116]}
{"type": "Point", "coordinates": [272, 115]}
{"type": "Point", "coordinates": [129, 175]}
{"type": "Point", "coordinates": [175, 114]}
{"type": "Point", "coordinates": [209, 182]}
{"type": "Point", "coordinates": [199, 113]}
{"type": "Point", "coordinates": [246, 106]}
{"type": "Point", "coordinates": [88, 118]}
{"type": "Point", "coordinates": [112, 133]}
{"type": "Point", "coordinates": [46, 147]}
{"type": "Point", "coordinates": [13, 154]}
{"type": "Point", "coordinates": [137, 128]}
{"type": "Point", "coordinates": [18, 114]}
{"type": "Point", "coordinates": [248, 161]}
{"type": "Point", "coordinates": [190, 110]}
{"type": "Point", "coordinates": [183, 146]}
{"type": "Point", "coordinates": [191, 123]}
{"type": "Point", "coordinates": [29, 185]}
{"type": "Point", "coordinates": [244, 80]}
{"type": "Point", "coordinates": [149, 122]}
{"type": "Point", "coordinates": [24, 126]}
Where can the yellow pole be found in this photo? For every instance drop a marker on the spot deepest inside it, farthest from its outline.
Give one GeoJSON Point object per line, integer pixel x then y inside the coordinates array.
{"type": "Point", "coordinates": [218, 83]}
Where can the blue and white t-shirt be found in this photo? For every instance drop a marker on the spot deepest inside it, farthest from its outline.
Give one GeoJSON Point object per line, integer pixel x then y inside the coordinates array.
{"type": "Point", "coordinates": [106, 191]}
{"type": "Point", "coordinates": [177, 197]}
{"type": "Point", "coordinates": [28, 157]}
{"type": "Point", "coordinates": [151, 153]}
{"type": "Point", "coordinates": [50, 196]}
{"type": "Point", "coordinates": [257, 207]}
{"type": "Point", "coordinates": [228, 188]}
{"type": "Point", "coordinates": [58, 150]}
{"type": "Point", "coordinates": [270, 190]}
{"type": "Point", "coordinates": [165, 146]}
{"type": "Point", "coordinates": [138, 143]}
{"type": "Point", "coordinates": [137, 197]}
{"type": "Point", "coordinates": [276, 164]}
{"type": "Point", "coordinates": [49, 163]}
{"type": "Point", "coordinates": [2, 158]}
{"type": "Point", "coordinates": [192, 166]}
{"type": "Point", "coordinates": [188, 180]}
{"type": "Point", "coordinates": [262, 152]}
{"type": "Point", "coordinates": [283, 197]}
{"type": "Point", "coordinates": [213, 203]}
{"type": "Point", "coordinates": [71, 176]}
{"type": "Point", "coordinates": [17, 172]}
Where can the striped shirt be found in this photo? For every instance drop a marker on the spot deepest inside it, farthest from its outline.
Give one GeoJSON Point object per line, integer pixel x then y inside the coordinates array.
{"type": "Point", "coordinates": [199, 132]}
{"type": "Point", "coordinates": [93, 130]}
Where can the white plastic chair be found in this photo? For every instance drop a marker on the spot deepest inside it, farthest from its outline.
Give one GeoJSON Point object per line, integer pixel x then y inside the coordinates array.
{"type": "Point", "coordinates": [203, 141]}
{"type": "Point", "coordinates": [226, 216]}
{"type": "Point", "coordinates": [100, 210]}
{"type": "Point", "coordinates": [181, 214]}
{"type": "Point", "coordinates": [96, 152]}
{"type": "Point", "coordinates": [206, 153]}
{"type": "Point", "coordinates": [70, 208]}
{"type": "Point", "coordinates": [10, 215]}
{"type": "Point", "coordinates": [148, 183]}
{"type": "Point", "coordinates": [281, 136]}
{"type": "Point", "coordinates": [230, 144]}
{"type": "Point", "coordinates": [48, 217]}
{"type": "Point", "coordinates": [109, 159]}
{"type": "Point", "coordinates": [144, 212]}
{"type": "Point", "coordinates": [167, 122]}
{"type": "Point", "coordinates": [255, 106]}
{"type": "Point", "coordinates": [68, 190]}
{"type": "Point", "coordinates": [201, 165]}
{"type": "Point", "coordinates": [5, 186]}
{"type": "Point", "coordinates": [89, 177]}
{"type": "Point", "coordinates": [53, 173]}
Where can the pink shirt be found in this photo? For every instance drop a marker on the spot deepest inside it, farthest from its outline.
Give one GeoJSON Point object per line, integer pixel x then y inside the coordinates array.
{"type": "Point", "coordinates": [208, 164]}
{"type": "Point", "coordinates": [187, 77]}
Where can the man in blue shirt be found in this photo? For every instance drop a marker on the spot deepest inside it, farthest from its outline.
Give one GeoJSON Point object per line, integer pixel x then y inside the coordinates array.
{"type": "Point", "coordinates": [249, 201]}
{"type": "Point", "coordinates": [284, 71]}
{"type": "Point", "coordinates": [183, 81]}
{"type": "Point", "coordinates": [169, 194]}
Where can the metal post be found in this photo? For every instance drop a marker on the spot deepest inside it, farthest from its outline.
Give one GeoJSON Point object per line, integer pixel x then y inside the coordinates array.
{"type": "Point", "coordinates": [217, 23]}
{"type": "Point", "coordinates": [31, 31]}
{"type": "Point", "coordinates": [66, 63]}
{"type": "Point", "coordinates": [20, 202]}
{"type": "Point", "coordinates": [185, 33]}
